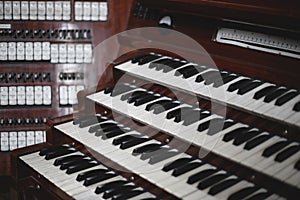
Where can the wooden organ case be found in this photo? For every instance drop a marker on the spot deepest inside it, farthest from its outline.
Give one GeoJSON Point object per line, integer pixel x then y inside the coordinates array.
{"type": "Point", "coordinates": [172, 121]}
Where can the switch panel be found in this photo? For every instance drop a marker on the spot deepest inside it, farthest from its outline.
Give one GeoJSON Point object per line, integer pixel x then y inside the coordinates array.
{"type": "Point", "coordinates": [91, 11]}
{"type": "Point", "coordinates": [68, 94]}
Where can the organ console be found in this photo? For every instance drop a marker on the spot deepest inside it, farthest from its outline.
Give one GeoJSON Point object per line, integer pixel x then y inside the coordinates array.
{"type": "Point", "coordinates": [199, 100]}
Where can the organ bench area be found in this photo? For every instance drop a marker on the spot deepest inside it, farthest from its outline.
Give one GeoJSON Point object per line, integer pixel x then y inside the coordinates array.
{"type": "Point", "coordinates": [46, 51]}
{"type": "Point", "coordinates": [165, 122]}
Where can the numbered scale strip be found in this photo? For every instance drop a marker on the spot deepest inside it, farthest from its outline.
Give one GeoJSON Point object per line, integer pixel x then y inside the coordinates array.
{"type": "Point", "coordinates": [261, 151]}
{"type": "Point", "coordinates": [178, 173]}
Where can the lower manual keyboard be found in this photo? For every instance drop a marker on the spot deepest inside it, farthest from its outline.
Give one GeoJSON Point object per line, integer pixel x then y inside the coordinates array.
{"type": "Point", "coordinates": [233, 140]}
{"type": "Point", "coordinates": [157, 163]}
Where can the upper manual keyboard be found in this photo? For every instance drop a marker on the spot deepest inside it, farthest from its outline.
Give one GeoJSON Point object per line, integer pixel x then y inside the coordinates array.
{"type": "Point", "coordinates": [257, 96]}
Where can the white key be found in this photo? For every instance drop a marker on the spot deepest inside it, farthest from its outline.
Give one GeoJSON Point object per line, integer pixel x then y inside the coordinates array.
{"type": "Point", "coordinates": [66, 10]}
{"type": "Point", "coordinates": [24, 10]}
{"type": "Point", "coordinates": [7, 10]}
{"type": "Point", "coordinates": [33, 10]}
{"type": "Point", "coordinates": [4, 141]}
{"type": "Point", "coordinates": [94, 11]}
{"type": "Point", "coordinates": [46, 50]}
{"type": "Point", "coordinates": [38, 95]}
{"type": "Point", "coordinates": [3, 51]}
{"type": "Point", "coordinates": [79, 53]}
{"type": "Point", "coordinates": [103, 11]}
{"type": "Point", "coordinates": [86, 11]}
{"type": "Point", "coordinates": [29, 95]}
{"type": "Point", "coordinates": [37, 52]}
{"type": "Point", "coordinates": [29, 51]}
{"type": "Point", "coordinates": [12, 51]}
{"type": "Point", "coordinates": [12, 96]}
{"type": "Point", "coordinates": [1, 10]}
{"type": "Point", "coordinates": [13, 140]}
{"type": "Point", "coordinates": [30, 138]}
{"type": "Point", "coordinates": [54, 53]}
{"type": "Point", "coordinates": [21, 139]}
{"type": "Point", "coordinates": [71, 53]}
{"type": "Point", "coordinates": [16, 10]}
{"type": "Point", "coordinates": [41, 10]}
{"type": "Point", "coordinates": [63, 95]}
{"type": "Point", "coordinates": [20, 51]}
{"type": "Point", "coordinates": [78, 10]}
{"type": "Point", "coordinates": [49, 10]}
{"type": "Point", "coordinates": [47, 95]}
{"type": "Point", "coordinates": [58, 10]}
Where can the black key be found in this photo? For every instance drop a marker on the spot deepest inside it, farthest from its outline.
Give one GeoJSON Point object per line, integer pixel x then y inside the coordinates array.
{"type": "Point", "coordinates": [113, 133]}
{"type": "Point", "coordinates": [159, 63]}
{"type": "Point", "coordinates": [91, 121]}
{"type": "Point", "coordinates": [234, 133]}
{"type": "Point", "coordinates": [167, 67]}
{"type": "Point", "coordinates": [177, 163]}
{"type": "Point", "coordinates": [256, 141]}
{"type": "Point", "coordinates": [128, 195]}
{"type": "Point", "coordinates": [106, 128]}
{"type": "Point", "coordinates": [136, 95]}
{"type": "Point", "coordinates": [113, 184]}
{"type": "Point", "coordinates": [178, 112]}
{"type": "Point", "coordinates": [249, 87]}
{"type": "Point", "coordinates": [146, 99]}
{"type": "Point", "coordinates": [131, 143]}
{"type": "Point", "coordinates": [244, 137]}
{"type": "Point", "coordinates": [156, 158]}
{"type": "Point", "coordinates": [81, 118]}
{"type": "Point", "coordinates": [161, 106]}
{"type": "Point", "coordinates": [211, 77]}
{"type": "Point", "coordinates": [263, 92]}
{"type": "Point", "coordinates": [297, 165]}
{"type": "Point", "coordinates": [141, 60]}
{"type": "Point", "coordinates": [148, 154]}
{"type": "Point", "coordinates": [118, 89]}
{"type": "Point", "coordinates": [286, 153]}
{"type": "Point", "coordinates": [186, 168]}
{"type": "Point", "coordinates": [226, 78]}
{"type": "Point", "coordinates": [243, 193]}
{"type": "Point", "coordinates": [81, 166]}
{"type": "Point", "coordinates": [297, 107]}
{"type": "Point", "coordinates": [59, 161]}
{"type": "Point", "coordinates": [274, 148]}
{"type": "Point", "coordinates": [285, 98]}
{"type": "Point", "coordinates": [188, 114]}
{"type": "Point", "coordinates": [125, 138]}
{"type": "Point", "coordinates": [69, 163]}
{"type": "Point", "coordinates": [220, 187]}
{"type": "Point", "coordinates": [201, 175]}
{"type": "Point", "coordinates": [211, 181]}
{"type": "Point", "coordinates": [112, 191]}
{"type": "Point", "coordinates": [194, 116]}
{"type": "Point", "coordinates": [62, 152]}
{"type": "Point", "coordinates": [98, 178]}
{"type": "Point", "coordinates": [215, 125]}
{"type": "Point", "coordinates": [125, 97]}
{"type": "Point", "coordinates": [259, 196]}
{"type": "Point", "coordinates": [275, 94]}
{"type": "Point", "coordinates": [101, 127]}
{"type": "Point", "coordinates": [147, 148]}
{"type": "Point", "coordinates": [53, 149]}
{"type": "Point", "coordinates": [91, 173]}
{"type": "Point", "coordinates": [189, 71]}
{"type": "Point", "coordinates": [239, 84]}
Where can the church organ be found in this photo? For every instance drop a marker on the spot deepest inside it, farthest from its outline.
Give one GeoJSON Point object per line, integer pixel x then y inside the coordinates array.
{"type": "Point", "coordinates": [171, 120]}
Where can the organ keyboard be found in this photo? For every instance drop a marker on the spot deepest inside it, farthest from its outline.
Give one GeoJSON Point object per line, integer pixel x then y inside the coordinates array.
{"type": "Point", "coordinates": [220, 124]}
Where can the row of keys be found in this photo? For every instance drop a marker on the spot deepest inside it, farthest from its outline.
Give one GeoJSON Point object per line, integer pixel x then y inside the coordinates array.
{"type": "Point", "coordinates": [22, 121]}
{"type": "Point", "coordinates": [68, 94]}
{"type": "Point", "coordinates": [257, 96]}
{"type": "Point", "coordinates": [91, 11]}
{"type": "Point", "coordinates": [25, 77]}
{"type": "Point", "coordinates": [228, 138]}
{"type": "Point", "coordinates": [35, 10]}
{"type": "Point", "coordinates": [25, 95]}
{"type": "Point", "coordinates": [176, 172]}
{"type": "Point", "coordinates": [70, 34]}
{"type": "Point", "coordinates": [13, 140]}
{"type": "Point", "coordinates": [44, 51]}
{"type": "Point", "coordinates": [63, 76]}
{"type": "Point", "coordinates": [82, 177]}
